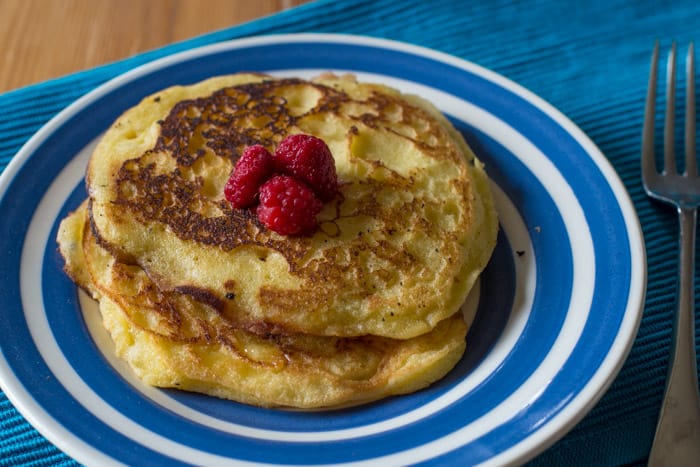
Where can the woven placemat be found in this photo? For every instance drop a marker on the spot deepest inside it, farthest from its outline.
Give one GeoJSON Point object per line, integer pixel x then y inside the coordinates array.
{"type": "Point", "coordinates": [588, 59]}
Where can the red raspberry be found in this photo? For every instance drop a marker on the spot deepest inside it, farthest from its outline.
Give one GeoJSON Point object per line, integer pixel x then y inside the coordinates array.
{"type": "Point", "coordinates": [250, 171]}
{"type": "Point", "coordinates": [288, 206]}
{"type": "Point", "coordinates": [308, 159]}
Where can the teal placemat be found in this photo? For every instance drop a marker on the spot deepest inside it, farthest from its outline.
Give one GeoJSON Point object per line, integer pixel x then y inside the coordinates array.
{"type": "Point", "coordinates": [588, 59]}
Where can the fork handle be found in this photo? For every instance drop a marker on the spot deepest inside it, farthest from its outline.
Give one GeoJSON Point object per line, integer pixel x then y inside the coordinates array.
{"type": "Point", "coordinates": [677, 438]}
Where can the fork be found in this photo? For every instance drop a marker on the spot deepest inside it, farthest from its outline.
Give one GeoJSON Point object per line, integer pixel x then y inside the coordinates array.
{"type": "Point", "coordinates": [677, 438]}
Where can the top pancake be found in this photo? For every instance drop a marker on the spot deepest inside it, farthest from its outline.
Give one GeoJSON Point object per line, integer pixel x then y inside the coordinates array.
{"type": "Point", "coordinates": [397, 251]}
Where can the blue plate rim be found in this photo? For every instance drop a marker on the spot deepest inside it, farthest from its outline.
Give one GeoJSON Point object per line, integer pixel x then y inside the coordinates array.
{"type": "Point", "coordinates": [554, 427]}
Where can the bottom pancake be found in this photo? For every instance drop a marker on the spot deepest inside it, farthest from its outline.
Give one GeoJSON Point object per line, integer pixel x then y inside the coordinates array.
{"type": "Point", "coordinates": [172, 341]}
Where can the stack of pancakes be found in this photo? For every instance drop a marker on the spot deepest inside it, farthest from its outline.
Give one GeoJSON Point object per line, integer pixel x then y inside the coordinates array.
{"type": "Point", "coordinates": [200, 296]}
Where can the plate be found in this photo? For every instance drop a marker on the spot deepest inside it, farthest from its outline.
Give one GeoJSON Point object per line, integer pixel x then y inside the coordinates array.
{"type": "Point", "coordinates": [557, 308]}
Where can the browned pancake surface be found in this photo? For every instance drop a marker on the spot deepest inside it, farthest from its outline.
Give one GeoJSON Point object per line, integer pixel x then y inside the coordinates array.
{"type": "Point", "coordinates": [397, 251]}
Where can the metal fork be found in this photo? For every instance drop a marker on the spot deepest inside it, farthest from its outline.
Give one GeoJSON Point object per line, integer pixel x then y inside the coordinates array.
{"type": "Point", "coordinates": [677, 438]}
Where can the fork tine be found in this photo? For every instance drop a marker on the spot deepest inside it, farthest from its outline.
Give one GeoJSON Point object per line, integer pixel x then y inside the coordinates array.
{"type": "Point", "coordinates": [669, 159]}
{"type": "Point", "coordinates": [691, 164]}
{"type": "Point", "coordinates": [648, 163]}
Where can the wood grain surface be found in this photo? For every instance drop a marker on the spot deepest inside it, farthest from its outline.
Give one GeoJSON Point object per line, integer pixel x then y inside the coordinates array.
{"type": "Point", "coordinates": [43, 39]}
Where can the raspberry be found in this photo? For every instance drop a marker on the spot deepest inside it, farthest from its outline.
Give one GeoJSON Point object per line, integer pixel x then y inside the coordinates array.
{"type": "Point", "coordinates": [288, 206]}
{"type": "Point", "coordinates": [308, 159]}
{"type": "Point", "coordinates": [251, 170]}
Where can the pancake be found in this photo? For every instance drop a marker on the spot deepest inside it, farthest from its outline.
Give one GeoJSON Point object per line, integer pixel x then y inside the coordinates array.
{"type": "Point", "coordinates": [397, 250]}
{"type": "Point", "coordinates": [173, 341]}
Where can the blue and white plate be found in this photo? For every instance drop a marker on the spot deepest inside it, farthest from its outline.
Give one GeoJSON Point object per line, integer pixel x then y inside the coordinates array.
{"type": "Point", "coordinates": [557, 310]}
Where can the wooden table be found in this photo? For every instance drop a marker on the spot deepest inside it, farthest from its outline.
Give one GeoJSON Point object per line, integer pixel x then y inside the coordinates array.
{"type": "Point", "coordinates": [43, 39]}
